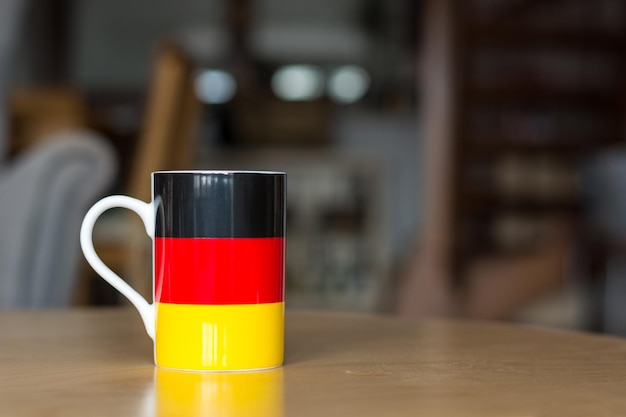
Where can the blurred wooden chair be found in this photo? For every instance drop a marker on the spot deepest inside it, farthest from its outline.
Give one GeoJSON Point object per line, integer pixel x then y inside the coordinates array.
{"type": "Point", "coordinates": [41, 113]}
{"type": "Point", "coordinates": [165, 143]}
{"type": "Point", "coordinates": [172, 112]}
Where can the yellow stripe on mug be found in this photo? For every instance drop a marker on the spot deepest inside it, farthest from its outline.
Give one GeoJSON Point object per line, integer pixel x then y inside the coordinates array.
{"type": "Point", "coordinates": [219, 337]}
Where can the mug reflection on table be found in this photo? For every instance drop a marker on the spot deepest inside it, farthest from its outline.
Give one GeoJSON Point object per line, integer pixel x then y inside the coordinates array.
{"type": "Point", "coordinates": [229, 394]}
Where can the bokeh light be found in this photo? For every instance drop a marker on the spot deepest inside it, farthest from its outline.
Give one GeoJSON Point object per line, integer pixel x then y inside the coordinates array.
{"type": "Point", "coordinates": [298, 82]}
{"type": "Point", "coordinates": [215, 86]}
{"type": "Point", "coordinates": [348, 84]}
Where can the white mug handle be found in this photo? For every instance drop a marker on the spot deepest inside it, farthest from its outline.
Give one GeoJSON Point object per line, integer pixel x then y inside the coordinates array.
{"type": "Point", "coordinates": [146, 212]}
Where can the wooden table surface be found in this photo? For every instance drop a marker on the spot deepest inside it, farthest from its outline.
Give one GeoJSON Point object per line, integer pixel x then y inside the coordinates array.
{"type": "Point", "coordinates": [99, 363]}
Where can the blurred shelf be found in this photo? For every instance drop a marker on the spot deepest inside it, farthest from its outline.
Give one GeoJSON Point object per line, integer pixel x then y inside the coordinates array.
{"type": "Point", "coordinates": [558, 146]}
{"type": "Point", "coordinates": [515, 8]}
{"type": "Point", "coordinates": [505, 34]}
{"type": "Point", "coordinates": [491, 203]}
{"type": "Point", "coordinates": [532, 94]}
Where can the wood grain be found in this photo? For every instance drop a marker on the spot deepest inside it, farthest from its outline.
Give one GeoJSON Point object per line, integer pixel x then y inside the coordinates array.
{"type": "Point", "coordinates": [99, 363]}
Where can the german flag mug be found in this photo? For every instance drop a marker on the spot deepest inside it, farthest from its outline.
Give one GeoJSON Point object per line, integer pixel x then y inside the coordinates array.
{"type": "Point", "coordinates": [219, 268]}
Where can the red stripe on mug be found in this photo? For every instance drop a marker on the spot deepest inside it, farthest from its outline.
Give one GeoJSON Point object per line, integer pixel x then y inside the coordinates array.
{"type": "Point", "coordinates": [219, 270]}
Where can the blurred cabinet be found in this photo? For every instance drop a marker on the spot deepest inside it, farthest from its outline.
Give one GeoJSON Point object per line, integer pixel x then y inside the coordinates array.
{"type": "Point", "coordinates": [539, 87]}
{"type": "Point", "coordinates": [517, 93]}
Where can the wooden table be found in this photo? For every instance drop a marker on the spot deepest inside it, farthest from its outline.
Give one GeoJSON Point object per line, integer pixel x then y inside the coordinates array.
{"type": "Point", "coordinates": [99, 363]}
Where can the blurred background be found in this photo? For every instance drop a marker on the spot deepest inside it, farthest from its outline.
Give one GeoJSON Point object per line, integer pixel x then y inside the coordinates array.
{"type": "Point", "coordinates": [445, 157]}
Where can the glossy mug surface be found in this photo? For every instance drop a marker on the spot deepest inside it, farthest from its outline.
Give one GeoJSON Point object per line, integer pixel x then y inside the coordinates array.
{"type": "Point", "coordinates": [219, 262]}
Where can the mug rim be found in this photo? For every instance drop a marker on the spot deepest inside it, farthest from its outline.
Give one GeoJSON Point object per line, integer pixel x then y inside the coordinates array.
{"type": "Point", "coordinates": [219, 171]}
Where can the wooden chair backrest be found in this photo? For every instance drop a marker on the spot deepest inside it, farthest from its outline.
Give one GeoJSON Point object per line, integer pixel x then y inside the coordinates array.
{"type": "Point", "coordinates": [172, 111]}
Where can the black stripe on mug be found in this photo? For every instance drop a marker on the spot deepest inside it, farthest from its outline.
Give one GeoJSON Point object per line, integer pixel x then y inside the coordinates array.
{"type": "Point", "coordinates": [228, 204]}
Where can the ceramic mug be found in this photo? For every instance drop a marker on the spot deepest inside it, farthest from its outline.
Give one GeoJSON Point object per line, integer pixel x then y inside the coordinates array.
{"type": "Point", "coordinates": [219, 267]}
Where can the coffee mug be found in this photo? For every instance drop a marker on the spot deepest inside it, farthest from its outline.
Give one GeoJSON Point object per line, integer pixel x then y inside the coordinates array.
{"type": "Point", "coordinates": [219, 268]}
